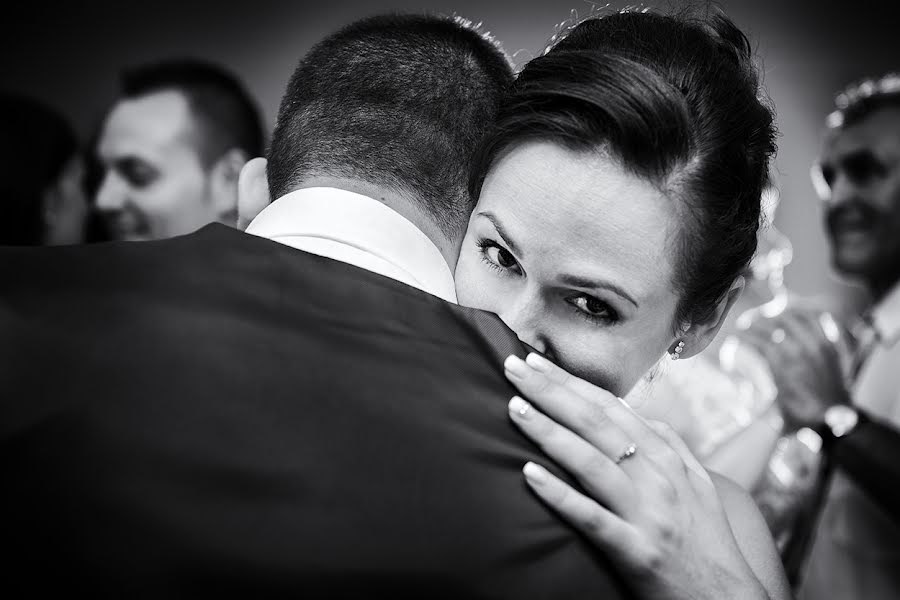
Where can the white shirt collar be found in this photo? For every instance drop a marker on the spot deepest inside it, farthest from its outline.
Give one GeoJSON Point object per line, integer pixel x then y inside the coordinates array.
{"type": "Point", "coordinates": [358, 230]}
{"type": "Point", "coordinates": [886, 317]}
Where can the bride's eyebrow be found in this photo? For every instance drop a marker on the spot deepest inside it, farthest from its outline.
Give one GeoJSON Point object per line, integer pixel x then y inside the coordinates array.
{"type": "Point", "coordinates": [581, 282]}
{"type": "Point", "coordinates": [500, 231]}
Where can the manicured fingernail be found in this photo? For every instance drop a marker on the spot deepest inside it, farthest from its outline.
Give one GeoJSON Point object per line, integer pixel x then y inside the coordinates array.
{"type": "Point", "coordinates": [535, 473]}
{"type": "Point", "coordinates": [519, 406]}
{"type": "Point", "coordinates": [516, 366]}
{"type": "Point", "coordinates": [538, 362]}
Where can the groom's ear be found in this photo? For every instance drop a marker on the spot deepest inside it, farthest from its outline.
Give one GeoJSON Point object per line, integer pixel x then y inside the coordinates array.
{"type": "Point", "coordinates": [699, 335]}
{"type": "Point", "coordinates": [253, 191]}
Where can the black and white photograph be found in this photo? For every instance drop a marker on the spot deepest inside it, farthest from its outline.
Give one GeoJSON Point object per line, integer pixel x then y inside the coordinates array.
{"type": "Point", "coordinates": [535, 300]}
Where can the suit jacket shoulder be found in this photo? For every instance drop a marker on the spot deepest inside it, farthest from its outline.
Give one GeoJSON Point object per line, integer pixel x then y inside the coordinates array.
{"type": "Point", "coordinates": [219, 413]}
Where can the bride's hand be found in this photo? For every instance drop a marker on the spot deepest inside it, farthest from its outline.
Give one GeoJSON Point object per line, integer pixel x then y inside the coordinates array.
{"type": "Point", "coordinates": [650, 505]}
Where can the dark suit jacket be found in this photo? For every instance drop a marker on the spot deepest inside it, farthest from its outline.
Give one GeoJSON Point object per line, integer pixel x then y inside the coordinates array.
{"type": "Point", "coordinates": [219, 414]}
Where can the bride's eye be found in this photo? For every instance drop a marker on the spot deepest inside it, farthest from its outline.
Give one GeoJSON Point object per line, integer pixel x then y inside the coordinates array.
{"type": "Point", "coordinates": [496, 256]}
{"type": "Point", "coordinates": [594, 309]}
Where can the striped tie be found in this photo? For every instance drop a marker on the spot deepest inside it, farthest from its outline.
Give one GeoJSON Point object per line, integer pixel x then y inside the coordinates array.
{"type": "Point", "coordinates": [866, 338]}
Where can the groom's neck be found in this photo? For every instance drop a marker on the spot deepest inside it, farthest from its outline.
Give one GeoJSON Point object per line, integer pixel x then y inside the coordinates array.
{"type": "Point", "coordinates": [404, 203]}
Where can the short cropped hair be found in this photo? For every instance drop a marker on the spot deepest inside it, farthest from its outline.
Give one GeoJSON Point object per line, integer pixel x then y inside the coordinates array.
{"type": "Point", "coordinates": [677, 100]}
{"type": "Point", "coordinates": [396, 100]}
{"type": "Point", "coordinates": [861, 99]}
{"type": "Point", "coordinates": [225, 114]}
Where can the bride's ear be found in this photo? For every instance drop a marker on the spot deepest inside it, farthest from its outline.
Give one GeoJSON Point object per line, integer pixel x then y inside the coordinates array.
{"type": "Point", "coordinates": [253, 191]}
{"type": "Point", "coordinates": [699, 335]}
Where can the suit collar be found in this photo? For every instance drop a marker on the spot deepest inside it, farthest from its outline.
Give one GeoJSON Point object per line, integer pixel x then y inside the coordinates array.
{"type": "Point", "coordinates": [358, 230]}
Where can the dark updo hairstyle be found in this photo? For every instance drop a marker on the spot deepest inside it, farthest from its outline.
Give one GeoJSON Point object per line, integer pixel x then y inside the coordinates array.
{"type": "Point", "coordinates": [675, 99]}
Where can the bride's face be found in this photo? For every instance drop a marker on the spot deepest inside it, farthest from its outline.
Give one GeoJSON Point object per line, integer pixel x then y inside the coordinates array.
{"type": "Point", "coordinates": [576, 255]}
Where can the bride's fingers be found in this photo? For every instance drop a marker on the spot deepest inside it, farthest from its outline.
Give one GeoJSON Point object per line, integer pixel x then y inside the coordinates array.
{"type": "Point", "coordinates": [677, 444]}
{"type": "Point", "coordinates": [593, 413]}
{"type": "Point", "coordinates": [599, 475]}
{"type": "Point", "coordinates": [562, 377]}
{"type": "Point", "coordinates": [605, 529]}
{"type": "Point", "coordinates": [586, 417]}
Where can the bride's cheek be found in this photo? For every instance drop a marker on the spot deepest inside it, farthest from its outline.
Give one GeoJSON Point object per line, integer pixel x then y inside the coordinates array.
{"type": "Point", "coordinates": [587, 355]}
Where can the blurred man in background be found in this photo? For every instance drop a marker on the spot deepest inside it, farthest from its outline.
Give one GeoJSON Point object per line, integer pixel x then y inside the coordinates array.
{"type": "Point", "coordinates": [41, 176]}
{"type": "Point", "coordinates": [854, 402]}
{"type": "Point", "coordinates": [172, 147]}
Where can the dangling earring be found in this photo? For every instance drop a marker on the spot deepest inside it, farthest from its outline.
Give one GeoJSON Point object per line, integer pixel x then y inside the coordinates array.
{"type": "Point", "coordinates": [676, 354]}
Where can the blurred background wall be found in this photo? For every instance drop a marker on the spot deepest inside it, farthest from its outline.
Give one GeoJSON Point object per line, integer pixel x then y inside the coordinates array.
{"type": "Point", "coordinates": [69, 55]}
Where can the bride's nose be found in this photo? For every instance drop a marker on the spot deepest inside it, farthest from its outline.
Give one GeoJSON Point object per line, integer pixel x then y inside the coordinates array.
{"type": "Point", "coordinates": [525, 318]}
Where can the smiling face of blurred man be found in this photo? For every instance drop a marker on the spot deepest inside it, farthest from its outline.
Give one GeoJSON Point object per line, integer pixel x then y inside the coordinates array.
{"type": "Point", "coordinates": [860, 170]}
{"type": "Point", "coordinates": [155, 184]}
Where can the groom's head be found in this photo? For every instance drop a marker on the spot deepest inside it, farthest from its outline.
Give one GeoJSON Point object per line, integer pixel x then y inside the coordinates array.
{"type": "Point", "coordinates": [399, 102]}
